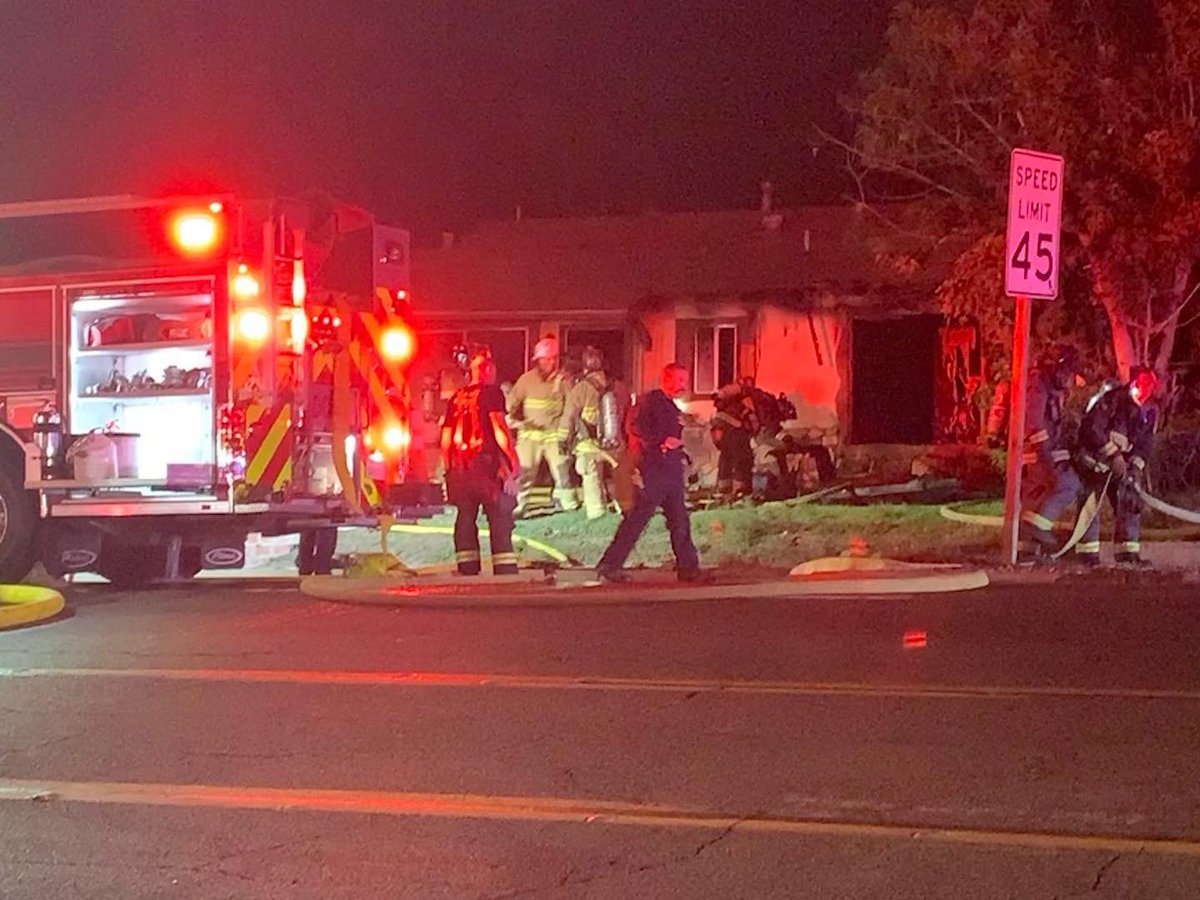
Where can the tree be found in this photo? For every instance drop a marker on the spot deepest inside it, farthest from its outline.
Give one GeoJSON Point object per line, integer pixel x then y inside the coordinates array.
{"type": "Point", "coordinates": [1112, 85]}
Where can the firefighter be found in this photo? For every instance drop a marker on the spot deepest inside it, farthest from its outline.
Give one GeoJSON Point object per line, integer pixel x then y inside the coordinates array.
{"type": "Point", "coordinates": [586, 432]}
{"type": "Point", "coordinates": [1115, 441]}
{"type": "Point", "coordinates": [482, 468]}
{"type": "Point", "coordinates": [657, 433]}
{"type": "Point", "coordinates": [1049, 483]}
{"type": "Point", "coordinates": [734, 423]}
{"type": "Point", "coordinates": [535, 407]}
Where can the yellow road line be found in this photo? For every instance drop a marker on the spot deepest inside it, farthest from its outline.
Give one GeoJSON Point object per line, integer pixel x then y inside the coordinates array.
{"type": "Point", "coordinates": [605, 683]}
{"type": "Point", "coordinates": [556, 809]}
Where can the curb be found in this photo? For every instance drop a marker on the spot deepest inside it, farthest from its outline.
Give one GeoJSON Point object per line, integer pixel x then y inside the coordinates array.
{"type": "Point", "coordinates": [402, 592]}
{"type": "Point", "coordinates": [24, 604]}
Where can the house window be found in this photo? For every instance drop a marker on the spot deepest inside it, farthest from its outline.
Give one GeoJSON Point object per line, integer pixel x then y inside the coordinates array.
{"type": "Point", "coordinates": [715, 357]}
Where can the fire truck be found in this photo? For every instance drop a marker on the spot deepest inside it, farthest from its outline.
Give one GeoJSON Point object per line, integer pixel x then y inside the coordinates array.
{"type": "Point", "coordinates": [245, 374]}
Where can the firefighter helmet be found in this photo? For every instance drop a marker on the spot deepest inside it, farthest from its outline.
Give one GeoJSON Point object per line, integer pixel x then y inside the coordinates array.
{"type": "Point", "coordinates": [546, 348]}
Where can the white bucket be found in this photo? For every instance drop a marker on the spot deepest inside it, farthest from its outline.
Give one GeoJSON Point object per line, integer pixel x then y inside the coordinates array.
{"type": "Point", "coordinates": [126, 444]}
{"type": "Point", "coordinates": [93, 458]}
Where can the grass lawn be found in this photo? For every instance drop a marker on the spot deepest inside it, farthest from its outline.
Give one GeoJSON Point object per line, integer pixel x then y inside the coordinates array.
{"type": "Point", "coordinates": [774, 536]}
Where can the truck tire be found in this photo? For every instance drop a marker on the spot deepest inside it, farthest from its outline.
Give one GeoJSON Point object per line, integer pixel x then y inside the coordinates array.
{"type": "Point", "coordinates": [18, 524]}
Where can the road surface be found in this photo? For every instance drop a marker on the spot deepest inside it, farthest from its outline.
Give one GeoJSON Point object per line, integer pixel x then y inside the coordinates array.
{"type": "Point", "coordinates": [237, 739]}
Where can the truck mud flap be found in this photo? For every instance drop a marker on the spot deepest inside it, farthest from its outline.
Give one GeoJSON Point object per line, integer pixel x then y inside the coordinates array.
{"type": "Point", "coordinates": [70, 549]}
{"type": "Point", "coordinates": [222, 555]}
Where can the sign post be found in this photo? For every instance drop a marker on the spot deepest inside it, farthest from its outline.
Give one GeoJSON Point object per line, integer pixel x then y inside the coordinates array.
{"type": "Point", "coordinates": [1034, 235]}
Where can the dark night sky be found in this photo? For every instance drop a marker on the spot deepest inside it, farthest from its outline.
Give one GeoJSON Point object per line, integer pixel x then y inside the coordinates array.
{"type": "Point", "coordinates": [431, 112]}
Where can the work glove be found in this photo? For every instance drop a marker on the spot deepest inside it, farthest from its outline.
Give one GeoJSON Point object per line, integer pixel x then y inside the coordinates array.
{"type": "Point", "coordinates": [1119, 467]}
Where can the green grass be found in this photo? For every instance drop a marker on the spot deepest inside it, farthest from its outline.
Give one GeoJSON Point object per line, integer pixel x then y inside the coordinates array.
{"type": "Point", "coordinates": [773, 536]}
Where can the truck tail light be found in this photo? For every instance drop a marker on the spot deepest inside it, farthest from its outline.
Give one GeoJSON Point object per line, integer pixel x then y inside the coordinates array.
{"type": "Point", "coordinates": [245, 285]}
{"type": "Point", "coordinates": [397, 343]}
{"type": "Point", "coordinates": [253, 325]}
{"type": "Point", "coordinates": [397, 438]}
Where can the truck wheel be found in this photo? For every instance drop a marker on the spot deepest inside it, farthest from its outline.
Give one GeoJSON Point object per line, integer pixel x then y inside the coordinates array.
{"type": "Point", "coordinates": [18, 521]}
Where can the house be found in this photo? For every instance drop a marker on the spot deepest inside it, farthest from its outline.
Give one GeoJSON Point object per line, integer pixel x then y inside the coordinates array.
{"type": "Point", "coordinates": [801, 300]}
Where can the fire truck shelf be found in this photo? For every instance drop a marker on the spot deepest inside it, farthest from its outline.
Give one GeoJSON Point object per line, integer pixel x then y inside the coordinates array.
{"type": "Point", "coordinates": [118, 397]}
{"type": "Point", "coordinates": [143, 347]}
{"type": "Point", "coordinates": [111, 484]}
{"type": "Point", "coordinates": [95, 508]}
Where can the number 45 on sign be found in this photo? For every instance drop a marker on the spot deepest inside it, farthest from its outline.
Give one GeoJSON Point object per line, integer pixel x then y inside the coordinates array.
{"type": "Point", "coordinates": [1035, 194]}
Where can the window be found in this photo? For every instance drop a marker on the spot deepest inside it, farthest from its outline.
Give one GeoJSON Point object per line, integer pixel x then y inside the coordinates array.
{"type": "Point", "coordinates": [714, 357]}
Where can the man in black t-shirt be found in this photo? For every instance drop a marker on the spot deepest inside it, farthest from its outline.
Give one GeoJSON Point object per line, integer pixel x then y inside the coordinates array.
{"type": "Point", "coordinates": [481, 469]}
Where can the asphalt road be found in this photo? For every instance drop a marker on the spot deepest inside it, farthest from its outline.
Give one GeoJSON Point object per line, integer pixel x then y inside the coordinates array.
{"type": "Point", "coordinates": [241, 740]}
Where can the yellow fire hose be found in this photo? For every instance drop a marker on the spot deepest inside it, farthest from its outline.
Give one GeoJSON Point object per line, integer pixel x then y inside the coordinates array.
{"type": "Point", "coordinates": [387, 563]}
{"type": "Point", "coordinates": [23, 604]}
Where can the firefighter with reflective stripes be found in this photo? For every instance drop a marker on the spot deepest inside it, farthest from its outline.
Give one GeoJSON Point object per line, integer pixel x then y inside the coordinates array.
{"type": "Point", "coordinates": [1049, 483]}
{"type": "Point", "coordinates": [585, 428]}
{"type": "Point", "coordinates": [535, 408]}
{"type": "Point", "coordinates": [1116, 438]}
{"type": "Point", "coordinates": [481, 469]}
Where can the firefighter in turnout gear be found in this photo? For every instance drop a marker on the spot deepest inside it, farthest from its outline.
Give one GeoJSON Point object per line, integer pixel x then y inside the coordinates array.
{"type": "Point", "coordinates": [535, 407]}
{"type": "Point", "coordinates": [587, 433]}
{"type": "Point", "coordinates": [481, 469]}
{"type": "Point", "coordinates": [1115, 441]}
{"type": "Point", "coordinates": [1049, 483]}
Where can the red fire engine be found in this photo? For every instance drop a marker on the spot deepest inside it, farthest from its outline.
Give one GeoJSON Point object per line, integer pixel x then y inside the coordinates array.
{"type": "Point", "coordinates": [251, 377]}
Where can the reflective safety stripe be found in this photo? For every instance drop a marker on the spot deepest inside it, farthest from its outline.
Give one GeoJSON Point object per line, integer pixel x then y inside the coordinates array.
{"type": "Point", "coordinates": [467, 556]}
{"type": "Point", "coordinates": [542, 402]}
{"type": "Point", "coordinates": [1038, 437]}
{"type": "Point", "coordinates": [1108, 449]}
{"type": "Point", "coordinates": [1131, 547]}
{"type": "Point", "coordinates": [1060, 455]}
{"type": "Point", "coordinates": [504, 559]}
{"type": "Point", "coordinates": [1088, 548]}
{"type": "Point", "coordinates": [1122, 442]}
{"type": "Point", "coordinates": [1040, 522]}
{"type": "Point", "coordinates": [1137, 462]}
{"type": "Point", "coordinates": [1029, 458]}
{"type": "Point", "coordinates": [538, 435]}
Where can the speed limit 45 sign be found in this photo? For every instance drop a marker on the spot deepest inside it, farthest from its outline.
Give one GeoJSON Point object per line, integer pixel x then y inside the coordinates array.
{"type": "Point", "coordinates": [1035, 194]}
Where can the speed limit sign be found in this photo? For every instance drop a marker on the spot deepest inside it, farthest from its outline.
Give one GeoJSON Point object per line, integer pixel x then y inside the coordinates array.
{"type": "Point", "coordinates": [1035, 194]}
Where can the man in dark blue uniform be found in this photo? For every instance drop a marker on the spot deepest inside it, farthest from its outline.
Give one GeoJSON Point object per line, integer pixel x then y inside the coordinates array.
{"type": "Point", "coordinates": [657, 433]}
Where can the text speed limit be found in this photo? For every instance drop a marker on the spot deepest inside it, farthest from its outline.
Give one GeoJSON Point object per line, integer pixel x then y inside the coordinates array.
{"type": "Point", "coordinates": [1035, 193]}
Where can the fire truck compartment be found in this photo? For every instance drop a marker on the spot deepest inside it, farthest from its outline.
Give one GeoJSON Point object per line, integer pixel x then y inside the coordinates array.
{"type": "Point", "coordinates": [141, 368]}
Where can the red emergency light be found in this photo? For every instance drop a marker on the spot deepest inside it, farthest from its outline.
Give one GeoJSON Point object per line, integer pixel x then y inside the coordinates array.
{"type": "Point", "coordinates": [196, 232]}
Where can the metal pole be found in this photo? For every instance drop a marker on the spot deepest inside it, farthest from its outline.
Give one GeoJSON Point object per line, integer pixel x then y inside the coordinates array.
{"type": "Point", "coordinates": [1016, 430]}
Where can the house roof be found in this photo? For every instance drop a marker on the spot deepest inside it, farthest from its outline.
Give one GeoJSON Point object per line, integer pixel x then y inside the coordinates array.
{"type": "Point", "coordinates": [612, 263]}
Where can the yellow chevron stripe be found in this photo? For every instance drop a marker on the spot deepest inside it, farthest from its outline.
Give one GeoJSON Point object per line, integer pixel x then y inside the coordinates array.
{"type": "Point", "coordinates": [266, 452]}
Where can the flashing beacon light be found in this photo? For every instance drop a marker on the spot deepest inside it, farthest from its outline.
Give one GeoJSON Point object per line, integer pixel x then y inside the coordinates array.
{"type": "Point", "coordinates": [196, 233]}
{"type": "Point", "coordinates": [253, 325]}
{"type": "Point", "coordinates": [397, 343]}
{"type": "Point", "coordinates": [245, 285]}
{"type": "Point", "coordinates": [401, 295]}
